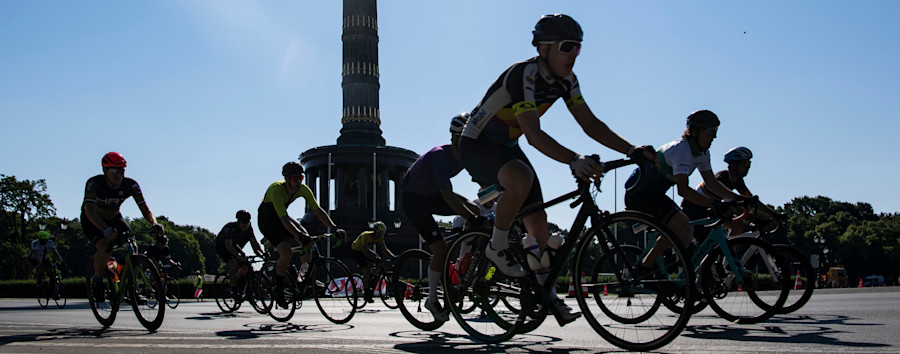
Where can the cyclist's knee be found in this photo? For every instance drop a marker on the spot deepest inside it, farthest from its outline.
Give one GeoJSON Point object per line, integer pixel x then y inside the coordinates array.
{"type": "Point", "coordinates": [516, 177]}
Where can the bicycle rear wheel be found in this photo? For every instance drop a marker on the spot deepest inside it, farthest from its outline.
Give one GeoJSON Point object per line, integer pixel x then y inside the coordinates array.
{"type": "Point", "coordinates": [385, 291]}
{"type": "Point", "coordinates": [147, 293]}
{"type": "Point", "coordinates": [225, 299]}
{"type": "Point", "coordinates": [104, 311]}
{"type": "Point", "coordinates": [480, 284]}
{"type": "Point", "coordinates": [335, 296]}
{"type": "Point", "coordinates": [803, 283]}
{"type": "Point", "coordinates": [622, 309]}
{"type": "Point", "coordinates": [172, 299]}
{"type": "Point", "coordinates": [267, 283]}
{"type": "Point", "coordinates": [763, 290]}
{"type": "Point", "coordinates": [410, 284]}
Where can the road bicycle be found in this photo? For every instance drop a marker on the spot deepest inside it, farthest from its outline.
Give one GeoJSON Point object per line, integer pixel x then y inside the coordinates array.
{"type": "Point", "coordinates": [251, 292]}
{"type": "Point", "coordinates": [635, 322]}
{"type": "Point", "coordinates": [327, 280]}
{"type": "Point", "coordinates": [382, 274]}
{"type": "Point", "coordinates": [134, 280]}
{"type": "Point", "coordinates": [50, 287]}
{"type": "Point", "coordinates": [740, 278]}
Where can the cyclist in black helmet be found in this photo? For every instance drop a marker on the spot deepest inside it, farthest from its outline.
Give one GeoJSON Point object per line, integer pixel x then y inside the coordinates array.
{"type": "Point", "coordinates": [511, 108]}
{"type": "Point", "coordinates": [281, 229]}
{"type": "Point", "coordinates": [645, 189]}
{"type": "Point", "coordinates": [229, 246]}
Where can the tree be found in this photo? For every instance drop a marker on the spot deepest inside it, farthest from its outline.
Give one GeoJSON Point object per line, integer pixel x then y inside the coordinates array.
{"type": "Point", "coordinates": [22, 202]}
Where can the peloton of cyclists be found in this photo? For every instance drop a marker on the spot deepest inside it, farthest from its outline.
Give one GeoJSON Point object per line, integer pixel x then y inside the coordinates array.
{"type": "Point", "coordinates": [512, 107]}
{"type": "Point", "coordinates": [100, 217]}
{"type": "Point", "coordinates": [229, 246]}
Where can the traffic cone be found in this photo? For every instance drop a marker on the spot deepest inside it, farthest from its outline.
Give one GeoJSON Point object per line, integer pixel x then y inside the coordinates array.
{"type": "Point", "coordinates": [584, 290]}
{"type": "Point", "coordinates": [571, 288]}
{"type": "Point", "coordinates": [740, 288]}
{"type": "Point", "coordinates": [860, 283]}
{"type": "Point", "coordinates": [797, 283]}
{"type": "Point", "coordinates": [604, 291]}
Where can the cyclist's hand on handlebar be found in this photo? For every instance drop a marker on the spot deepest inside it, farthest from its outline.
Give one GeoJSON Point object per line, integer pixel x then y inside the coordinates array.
{"type": "Point", "coordinates": [340, 233]}
{"type": "Point", "coordinates": [585, 168]}
{"type": "Point", "coordinates": [644, 153]}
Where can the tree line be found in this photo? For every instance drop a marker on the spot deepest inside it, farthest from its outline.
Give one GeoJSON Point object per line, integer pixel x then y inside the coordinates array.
{"type": "Point", "coordinates": [855, 236]}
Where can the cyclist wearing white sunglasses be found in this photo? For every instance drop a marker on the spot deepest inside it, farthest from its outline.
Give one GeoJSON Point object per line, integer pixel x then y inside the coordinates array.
{"type": "Point", "coordinates": [512, 107]}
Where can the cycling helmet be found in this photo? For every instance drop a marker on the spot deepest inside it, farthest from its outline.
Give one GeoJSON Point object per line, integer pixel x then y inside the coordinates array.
{"type": "Point", "coordinates": [162, 240]}
{"type": "Point", "coordinates": [556, 27]}
{"type": "Point", "coordinates": [380, 226]}
{"type": "Point", "coordinates": [739, 153]}
{"type": "Point", "coordinates": [702, 119]}
{"type": "Point", "coordinates": [43, 235]}
{"type": "Point", "coordinates": [243, 216]}
{"type": "Point", "coordinates": [458, 122]}
{"type": "Point", "coordinates": [113, 159]}
{"type": "Point", "coordinates": [291, 169]}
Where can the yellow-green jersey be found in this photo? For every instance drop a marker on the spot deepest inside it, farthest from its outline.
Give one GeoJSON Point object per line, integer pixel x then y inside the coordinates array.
{"type": "Point", "coordinates": [365, 240]}
{"type": "Point", "coordinates": [277, 195]}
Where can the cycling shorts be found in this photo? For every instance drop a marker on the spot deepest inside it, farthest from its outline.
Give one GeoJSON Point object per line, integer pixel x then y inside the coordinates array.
{"type": "Point", "coordinates": [93, 233]}
{"type": "Point", "coordinates": [645, 191]}
{"type": "Point", "coordinates": [270, 225]}
{"type": "Point", "coordinates": [419, 211]}
{"type": "Point", "coordinates": [483, 160]}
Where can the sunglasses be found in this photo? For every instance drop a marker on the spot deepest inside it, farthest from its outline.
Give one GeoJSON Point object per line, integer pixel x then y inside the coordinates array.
{"type": "Point", "coordinates": [117, 170]}
{"type": "Point", "coordinates": [568, 46]}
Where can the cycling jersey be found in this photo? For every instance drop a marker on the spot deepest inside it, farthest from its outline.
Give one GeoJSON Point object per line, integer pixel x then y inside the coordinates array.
{"type": "Point", "coordinates": [645, 189]}
{"type": "Point", "coordinates": [678, 158]}
{"type": "Point", "coordinates": [725, 178]}
{"type": "Point", "coordinates": [109, 199]}
{"type": "Point", "coordinates": [277, 195]}
{"type": "Point", "coordinates": [39, 251]}
{"type": "Point", "coordinates": [365, 240]}
{"type": "Point", "coordinates": [524, 86]}
{"type": "Point", "coordinates": [232, 232]}
{"type": "Point", "coordinates": [431, 172]}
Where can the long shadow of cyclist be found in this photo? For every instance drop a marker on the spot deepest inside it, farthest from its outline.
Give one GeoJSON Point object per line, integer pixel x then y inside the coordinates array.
{"type": "Point", "coordinates": [259, 330]}
{"type": "Point", "coordinates": [797, 329]}
{"type": "Point", "coordinates": [433, 342]}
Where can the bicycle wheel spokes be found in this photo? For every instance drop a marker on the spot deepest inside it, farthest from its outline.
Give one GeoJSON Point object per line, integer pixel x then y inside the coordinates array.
{"type": "Point", "coordinates": [104, 311]}
{"type": "Point", "coordinates": [759, 292]}
{"type": "Point", "coordinates": [333, 290]}
{"type": "Point", "coordinates": [410, 289]}
{"type": "Point", "coordinates": [225, 299]}
{"type": "Point", "coordinates": [147, 293]}
{"type": "Point", "coordinates": [478, 284]}
{"type": "Point", "coordinates": [623, 310]}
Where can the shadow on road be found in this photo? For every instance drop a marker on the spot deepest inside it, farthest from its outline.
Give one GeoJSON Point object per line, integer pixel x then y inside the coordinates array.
{"type": "Point", "coordinates": [432, 342]}
{"type": "Point", "coordinates": [259, 330]}
{"type": "Point", "coordinates": [73, 333]}
{"type": "Point", "coordinates": [796, 329]}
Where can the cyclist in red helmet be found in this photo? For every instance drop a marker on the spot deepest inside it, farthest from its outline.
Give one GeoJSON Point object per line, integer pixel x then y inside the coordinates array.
{"type": "Point", "coordinates": [100, 217]}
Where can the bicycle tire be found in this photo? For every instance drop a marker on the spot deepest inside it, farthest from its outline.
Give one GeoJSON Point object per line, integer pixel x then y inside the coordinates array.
{"type": "Point", "coordinates": [603, 269]}
{"type": "Point", "coordinates": [410, 283]}
{"type": "Point", "coordinates": [479, 283]}
{"type": "Point", "coordinates": [172, 299]}
{"type": "Point", "coordinates": [278, 312]}
{"type": "Point", "coordinates": [42, 293]}
{"type": "Point", "coordinates": [629, 295]}
{"type": "Point", "coordinates": [104, 311]}
{"type": "Point", "coordinates": [147, 293]}
{"type": "Point", "coordinates": [225, 298]}
{"type": "Point", "coordinates": [327, 276]}
{"type": "Point", "coordinates": [255, 296]}
{"type": "Point", "coordinates": [357, 282]}
{"type": "Point", "coordinates": [385, 291]}
{"type": "Point", "coordinates": [756, 299]}
{"type": "Point", "coordinates": [796, 261]}
{"type": "Point", "coordinates": [61, 301]}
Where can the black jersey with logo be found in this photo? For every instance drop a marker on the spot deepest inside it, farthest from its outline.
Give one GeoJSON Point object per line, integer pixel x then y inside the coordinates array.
{"type": "Point", "coordinates": [108, 199]}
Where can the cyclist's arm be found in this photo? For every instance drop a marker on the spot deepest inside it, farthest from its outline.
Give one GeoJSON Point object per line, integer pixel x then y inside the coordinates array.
{"type": "Point", "coordinates": [384, 249]}
{"type": "Point", "coordinates": [709, 178]}
{"type": "Point", "coordinates": [324, 218]}
{"type": "Point", "coordinates": [690, 194]}
{"type": "Point", "coordinates": [530, 123]}
{"type": "Point", "coordinates": [90, 210]}
{"type": "Point", "coordinates": [229, 246]}
{"type": "Point", "coordinates": [293, 226]}
{"type": "Point", "coordinates": [148, 214]}
{"type": "Point", "coordinates": [599, 131]}
{"type": "Point", "coordinates": [257, 248]}
{"type": "Point", "coordinates": [460, 205]}
{"type": "Point", "coordinates": [58, 256]}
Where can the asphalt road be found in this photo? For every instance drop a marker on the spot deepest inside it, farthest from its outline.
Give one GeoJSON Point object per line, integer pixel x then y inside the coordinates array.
{"type": "Point", "coordinates": [835, 320]}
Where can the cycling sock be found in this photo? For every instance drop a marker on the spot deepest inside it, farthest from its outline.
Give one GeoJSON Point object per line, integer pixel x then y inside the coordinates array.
{"type": "Point", "coordinates": [500, 239]}
{"type": "Point", "coordinates": [434, 279]}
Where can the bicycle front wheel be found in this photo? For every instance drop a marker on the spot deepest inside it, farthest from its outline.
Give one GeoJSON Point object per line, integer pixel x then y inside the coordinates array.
{"type": "Point", "coordinates": [802, 286]}
{"type": "Point", "coordinates": [225, 299]}
{"type": "Point", "coordinates": [42, 292]}
{"type": "Point", "coordinates": [258, 299]}
{"type": "Point", "coordinates": [104, 310]}
{"type": "Point", "coordinates": [147, 293]}
{"type": "Point", "coordinates": [622, 308]}
{"type": "Point", "coordinates": [357, 282]}
{"type": "Point", "coordinates": [478, 283]}
{"type": "Point", "coordinates": [410, 284]}
{"type": "Point", "coordinates": [757, 294]}
{"type": "Point", "coordinates": [60, 296]}
{"type": "Point", "coordinates": [382, 286]}
{"type": "Point", "coordinates": [335, 295]}
{"type": "Point", "coordinates": [172, 299]}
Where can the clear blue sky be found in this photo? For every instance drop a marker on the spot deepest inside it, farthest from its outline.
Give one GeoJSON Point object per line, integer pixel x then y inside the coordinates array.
{"type": "Point", "coordinates": [207, 99]}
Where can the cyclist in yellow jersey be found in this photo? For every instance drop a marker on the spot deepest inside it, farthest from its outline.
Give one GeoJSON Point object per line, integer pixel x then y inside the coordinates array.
{"type": "Point", "coordinates": [281, 229]}
{"type": "Point", "coordinates": [362, 252]}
